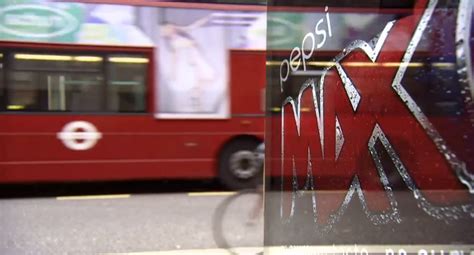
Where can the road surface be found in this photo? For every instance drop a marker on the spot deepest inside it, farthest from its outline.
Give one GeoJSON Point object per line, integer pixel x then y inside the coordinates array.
{"type": "Point", "coordinates": [125, 223]}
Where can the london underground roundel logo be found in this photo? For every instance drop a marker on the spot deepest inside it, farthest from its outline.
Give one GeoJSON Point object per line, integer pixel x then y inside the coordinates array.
{"type": "Point", "coordinates": [79, 135]}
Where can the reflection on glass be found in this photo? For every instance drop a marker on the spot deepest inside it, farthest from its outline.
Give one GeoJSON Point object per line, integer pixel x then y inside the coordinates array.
{"type": "Point", "coordinates": [370, 132]}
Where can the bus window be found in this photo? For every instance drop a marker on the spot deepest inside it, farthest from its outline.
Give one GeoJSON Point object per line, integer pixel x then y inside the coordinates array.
{"type": "Point", "coordinates": [126, 83]}
{"type": "Point", "coordinates": [77, 83]}
{"type": "Point", "coordinates": [23, 91]}
{"type": "Point", "coordinates": [379, 116]}
{"type": "Point", "coordinates": [52, 82]}
{"type": "Point", "coordinates": [84, 92]}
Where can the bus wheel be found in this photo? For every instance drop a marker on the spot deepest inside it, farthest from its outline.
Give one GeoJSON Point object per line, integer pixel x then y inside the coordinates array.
{"type": "Point", "coordinates": [238, 168]}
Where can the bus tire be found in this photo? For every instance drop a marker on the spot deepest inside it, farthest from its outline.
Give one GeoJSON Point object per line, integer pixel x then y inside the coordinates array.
{"type": "Point", "coordinates": [238, 168]}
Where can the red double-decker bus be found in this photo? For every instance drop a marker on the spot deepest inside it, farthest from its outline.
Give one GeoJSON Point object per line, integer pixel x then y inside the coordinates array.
{"type": "Point", "coordinates": [114, 90]}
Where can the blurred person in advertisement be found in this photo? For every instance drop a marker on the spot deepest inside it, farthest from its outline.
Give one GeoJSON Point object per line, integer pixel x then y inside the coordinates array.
{"type": "Point", "coordinates": [191, 71]}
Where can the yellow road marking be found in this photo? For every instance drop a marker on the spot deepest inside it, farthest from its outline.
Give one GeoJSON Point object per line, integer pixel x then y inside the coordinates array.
{"type": "Point", "coordinates": [243, 251]}
{"type": "Point", "coordinates": [207, 194]}
{"type": "Point", "coordinates": [93, 197]}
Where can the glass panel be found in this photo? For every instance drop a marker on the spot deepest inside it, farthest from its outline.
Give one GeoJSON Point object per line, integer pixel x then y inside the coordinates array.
{"type": "Point", "coordinates": [369, 138]}
{"type": "Point", "coordinates": [127, 75]}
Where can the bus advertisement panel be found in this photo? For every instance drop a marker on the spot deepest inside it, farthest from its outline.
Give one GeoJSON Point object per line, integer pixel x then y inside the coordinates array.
{"type": "Point", "coordinates": [369, 134]}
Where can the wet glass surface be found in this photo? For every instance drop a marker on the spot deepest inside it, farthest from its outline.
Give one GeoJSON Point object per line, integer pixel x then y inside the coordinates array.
{"type": "Point", "coordinates": [369, 127]}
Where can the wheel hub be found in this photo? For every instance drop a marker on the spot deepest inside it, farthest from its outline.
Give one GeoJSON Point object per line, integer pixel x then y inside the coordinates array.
{"type": "Point", "coordinates": [243, 165]}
